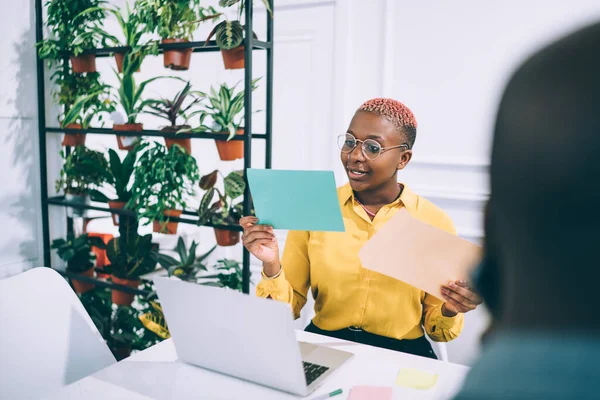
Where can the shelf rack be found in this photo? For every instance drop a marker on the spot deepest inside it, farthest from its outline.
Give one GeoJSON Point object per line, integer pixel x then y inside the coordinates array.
{"type": "Point", "coordinates": [250, 45]}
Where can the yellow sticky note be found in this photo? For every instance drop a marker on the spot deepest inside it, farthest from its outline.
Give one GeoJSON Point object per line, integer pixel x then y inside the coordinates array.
{"type": "Point", "coordinates": [416, 379]}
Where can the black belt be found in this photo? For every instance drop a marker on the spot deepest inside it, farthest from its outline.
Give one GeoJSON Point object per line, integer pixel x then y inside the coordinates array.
{"type": "Point", "coordinates": [419, 346]}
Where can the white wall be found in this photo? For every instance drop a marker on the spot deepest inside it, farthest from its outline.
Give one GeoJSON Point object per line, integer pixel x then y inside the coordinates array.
{"type": "Point", "coordinates": [20, 244]}
{"type": "Point", "coordinates": [448, 61]}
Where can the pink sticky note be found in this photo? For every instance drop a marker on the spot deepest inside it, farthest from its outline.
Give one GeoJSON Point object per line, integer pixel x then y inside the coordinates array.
{"type": "Point", "coordinates": [370, 393]}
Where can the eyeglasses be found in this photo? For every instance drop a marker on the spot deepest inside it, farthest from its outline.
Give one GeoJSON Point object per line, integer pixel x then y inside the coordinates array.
{"type": "Point", "coordinates": [371, 149]}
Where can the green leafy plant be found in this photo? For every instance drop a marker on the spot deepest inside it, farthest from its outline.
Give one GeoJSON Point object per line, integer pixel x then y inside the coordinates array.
{"type": "Point", "coordinates": [130, 94]}
{"type": "Point", "coordinates": [84, 169]}
{"type": "Point", "coordinates": [77, 251]}
{"type": "Point", "coordinates": [174, 19]}
{"type": "Point", "coordinates": [131, 26]}
{"type": "Point", "coordinates": [230, 34]}
{"type": "Point", "coordinates": [188, 265]}
{"type": "Point", "coordinates": [131, 255]}
{"type": "Point", "coordinates": [163, 178]}
{"type": "Point", "coordinates": [229, 274]}
{"type": "Point", "coordinates": [65, 24]}
{"type": "Point", "coordinates": [118, 176]}
{"type": "Point", "coordinates": [87, 107]}
{"type": "Point", "coordinates": [178, 107]}
{"type": "Point", "coordinates": [223, 211]}
{"type": "Point", "coordinates": [225, 108]}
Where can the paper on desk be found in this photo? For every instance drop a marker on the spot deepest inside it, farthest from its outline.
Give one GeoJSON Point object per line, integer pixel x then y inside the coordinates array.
{"type": "Point", "coordinates": [419, 254]}
{"type": "Point", "coordinates": [370, 393]}
{"type": "Point", "coordinates": [416, 379]}
{"type": "Point", "coordinates": [296, 200]}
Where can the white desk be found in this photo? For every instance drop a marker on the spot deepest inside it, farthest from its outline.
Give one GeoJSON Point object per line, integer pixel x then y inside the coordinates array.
{"type": "Point", "coordinates": [155, 373]}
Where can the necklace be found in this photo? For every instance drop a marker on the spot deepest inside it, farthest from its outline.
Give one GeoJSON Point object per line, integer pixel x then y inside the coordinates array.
{"type": "Point", "coordinates": [372, 214]}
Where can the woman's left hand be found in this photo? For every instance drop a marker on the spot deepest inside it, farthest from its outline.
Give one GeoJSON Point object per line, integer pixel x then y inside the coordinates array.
{"type": "Point", "coordinates": [459, 298]}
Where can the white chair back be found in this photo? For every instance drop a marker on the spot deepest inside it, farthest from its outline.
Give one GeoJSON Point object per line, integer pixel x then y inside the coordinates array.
{"type": "Point", "coordinates": [47, 339]}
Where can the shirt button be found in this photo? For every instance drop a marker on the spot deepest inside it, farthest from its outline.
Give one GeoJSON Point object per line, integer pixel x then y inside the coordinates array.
{"type": "Point", "coordinates": [366, 279]}
{"type": "Point", "coordinates": [362, 306]}
{"type": "Point", "coordinates": [270, 286]}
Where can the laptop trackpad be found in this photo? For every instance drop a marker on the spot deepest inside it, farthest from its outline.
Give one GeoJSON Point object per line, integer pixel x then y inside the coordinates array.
{"type": "Point", "coordinates": [322, 355]}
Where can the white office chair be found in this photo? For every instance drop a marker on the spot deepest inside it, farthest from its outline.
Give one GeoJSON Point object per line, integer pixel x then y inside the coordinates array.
{"type": "Point", "coordinates": [442, 351]}
{"type": "Point", "coordinates": [47, 339]}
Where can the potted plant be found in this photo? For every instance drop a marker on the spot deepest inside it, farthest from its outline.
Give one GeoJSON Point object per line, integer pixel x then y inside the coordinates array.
{"type": "Point", "coordinates": [226, 273]}
{"type": "Point", "coordinates": [77, 253]}
{"type": "Point", "coordinates": [163, 177]}
{"type": "Point", "coordinates": [119, 174]}
{"type": "Point", "coordinates": [64, 26]}
{"type": "Point", "coordinates": [131, 26]}
{"type": "Point", "coordinates": [226, 109]}
{"type": "Point", "coordinates": [175, 22]}
{"type": "Point", "coordinates": [130, 99]}
{"type": "Point", "coordinates": [229, 35]}
{"type": "Point", "coordinates": [223, 211]}
{"type": "Point", "coordinates": [171, 109]}
{"type": "Point", "coordinates": [84, 169]}
{"type": "Point", "coordinates": [81, 113]}
{"type": "Point", "coordinates": [130, 256]}
{"type": "Point", "coordinates": [188, 265]}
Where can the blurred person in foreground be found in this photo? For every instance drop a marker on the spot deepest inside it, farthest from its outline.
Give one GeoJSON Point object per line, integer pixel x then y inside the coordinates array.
{"type": "Point", "coordinates": [541, 266]}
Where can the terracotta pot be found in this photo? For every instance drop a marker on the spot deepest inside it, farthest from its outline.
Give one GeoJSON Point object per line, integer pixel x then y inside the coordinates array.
{"type": "Point", "coordinates": [227, 238]}
{"type": "Point", "coordinates": [231, 150]}
{"type": "Point", "coordinates": [80, 286]}
{"type": "Point", "coordinates": [119, 59]}
{"type": "Point", "coordinates": [83, 63]}
{"type": "Point", "coordinates": [101, 259]}
{"type": "Point", "coordinates": [122, 298]}
{"type": "Point", "coordinates": [185, 143]}
{"type": "Point", "coordinates": [233, 58]}
{"type": "Point", "coordinates": [127, 142]}
{"type": "Point", "coordinates": [118, 205]}
{"type": "Point", "coordinates": [178, 60]}
{"type": "Point", "coordinates": [73, 139]}
{"type": "Point", "coordinates": [169, 228]}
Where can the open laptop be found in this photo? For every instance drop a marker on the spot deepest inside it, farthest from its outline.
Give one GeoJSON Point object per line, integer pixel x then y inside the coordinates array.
{"type": "Point", "coordinates": [243, 336]}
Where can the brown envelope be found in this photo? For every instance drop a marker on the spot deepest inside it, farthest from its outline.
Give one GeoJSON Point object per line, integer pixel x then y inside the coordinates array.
{"type": "Point", "coordinates": [419, 254]}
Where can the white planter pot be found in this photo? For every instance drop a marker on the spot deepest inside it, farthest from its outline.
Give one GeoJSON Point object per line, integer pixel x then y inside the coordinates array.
{"type": "Point", "coordinates": [80, 199]}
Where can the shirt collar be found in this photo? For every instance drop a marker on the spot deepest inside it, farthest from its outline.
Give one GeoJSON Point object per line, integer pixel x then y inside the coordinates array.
{"type": "Point", "coordinates": [408, 197]}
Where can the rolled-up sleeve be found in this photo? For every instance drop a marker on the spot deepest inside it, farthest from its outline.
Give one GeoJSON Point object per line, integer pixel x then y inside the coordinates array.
{"type": "Point", "coordinates": [291, 286]}
{"type": "Point", "coordinates": [438, 327]}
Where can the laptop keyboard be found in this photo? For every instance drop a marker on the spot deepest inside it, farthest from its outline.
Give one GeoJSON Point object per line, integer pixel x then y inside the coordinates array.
{"type": "Point", "coordinates": [313, 371]}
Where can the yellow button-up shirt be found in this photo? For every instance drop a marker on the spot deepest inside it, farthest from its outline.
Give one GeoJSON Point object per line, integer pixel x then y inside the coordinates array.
{"type": "Point", "coordinates": [345, 293]}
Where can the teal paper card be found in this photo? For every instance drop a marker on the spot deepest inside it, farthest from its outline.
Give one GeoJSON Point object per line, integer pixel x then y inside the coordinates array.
{"type": "Point", "coordinates": [296, 200]}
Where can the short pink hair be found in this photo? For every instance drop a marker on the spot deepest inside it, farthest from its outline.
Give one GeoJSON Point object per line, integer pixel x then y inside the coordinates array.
{"type": "Point", "coordinates": [397, 113]}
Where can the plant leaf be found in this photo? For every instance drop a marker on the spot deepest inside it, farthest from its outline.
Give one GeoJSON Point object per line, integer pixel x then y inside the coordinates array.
{"type": "Point", "coordinates": [209, 181]}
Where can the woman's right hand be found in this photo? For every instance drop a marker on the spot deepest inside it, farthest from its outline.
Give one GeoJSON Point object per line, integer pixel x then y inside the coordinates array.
{"type": "Point", "coordinates": [262, 244]}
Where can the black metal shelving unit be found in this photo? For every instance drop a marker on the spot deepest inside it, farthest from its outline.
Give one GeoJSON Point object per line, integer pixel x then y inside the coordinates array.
{"type": "Point", "coordinates": [188, 217]}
